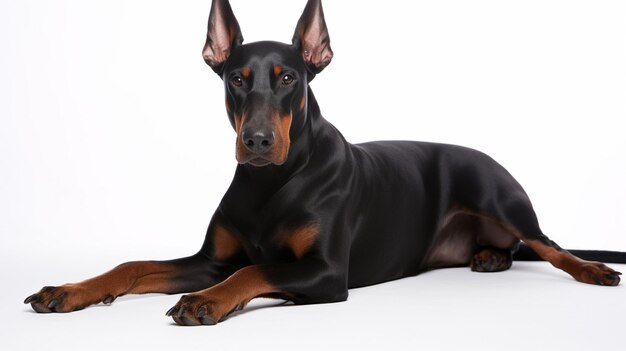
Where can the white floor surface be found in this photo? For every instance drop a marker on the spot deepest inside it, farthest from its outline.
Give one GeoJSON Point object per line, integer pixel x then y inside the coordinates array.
{"type": "Point", "coordinates": [530, 307]}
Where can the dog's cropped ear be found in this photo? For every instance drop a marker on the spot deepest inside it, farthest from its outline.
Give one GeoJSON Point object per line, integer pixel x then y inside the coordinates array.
{"type": "Point", "coordinates": [311, 37]}
{"type": "Point", "coordinates": [222, 36]}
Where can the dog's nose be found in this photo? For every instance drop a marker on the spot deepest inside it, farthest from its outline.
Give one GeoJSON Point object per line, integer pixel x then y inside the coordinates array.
{"type": "Point", "coordinates": [258, 141]}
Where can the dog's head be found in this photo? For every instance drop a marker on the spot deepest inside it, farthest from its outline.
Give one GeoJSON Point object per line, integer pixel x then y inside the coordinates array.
{"type": "Point", "coordinates": [266, 82]}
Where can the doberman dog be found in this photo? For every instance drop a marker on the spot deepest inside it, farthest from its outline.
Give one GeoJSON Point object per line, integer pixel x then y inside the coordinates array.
{"type": "Point", "coordinates": [309, 215]}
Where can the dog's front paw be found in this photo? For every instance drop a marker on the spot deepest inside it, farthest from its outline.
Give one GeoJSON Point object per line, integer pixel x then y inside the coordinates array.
{"type": "Point", "coordinates": [65, 298]}
{"type": "Point", "coordinates": [202, 309]}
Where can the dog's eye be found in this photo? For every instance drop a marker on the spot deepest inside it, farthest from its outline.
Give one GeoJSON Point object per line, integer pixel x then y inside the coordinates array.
{"type": "Point", "coordinates": [287, 79]}
{"type": "Point", "coordinates": [236, 81]}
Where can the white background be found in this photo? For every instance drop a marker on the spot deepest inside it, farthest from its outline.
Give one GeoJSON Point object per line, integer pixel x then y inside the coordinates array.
{"type": "Point", "coordinates": [114, 146]}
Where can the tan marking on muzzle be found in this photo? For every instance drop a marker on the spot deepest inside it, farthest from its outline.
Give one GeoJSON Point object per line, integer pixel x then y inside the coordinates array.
{"type": "Point", "coordinates": [280, 149]}
{"type": "Point", "coordinates": [282, 140]}
{"type": "Point", "coordinates": [240, 148]}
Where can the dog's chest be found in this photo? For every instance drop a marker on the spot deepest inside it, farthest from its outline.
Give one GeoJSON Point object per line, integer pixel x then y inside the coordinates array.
{"type": "Point", "coordinates": [274, 236]}
{"type": "Point", "coordinates": [266, 246]}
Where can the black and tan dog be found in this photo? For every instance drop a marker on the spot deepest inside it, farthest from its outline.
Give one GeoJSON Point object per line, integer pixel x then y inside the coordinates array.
{"type": "Point", "coordinates": [309, 215]}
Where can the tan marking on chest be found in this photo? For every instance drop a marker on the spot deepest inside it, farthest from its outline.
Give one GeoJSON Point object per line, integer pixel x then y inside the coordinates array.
{"type": "Point", "coordinates": [300, 240]}
{"type": "Point", "coordinates": [225, 244]}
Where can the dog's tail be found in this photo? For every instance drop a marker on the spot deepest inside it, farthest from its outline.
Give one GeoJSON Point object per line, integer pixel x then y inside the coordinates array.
{"type": "Point", "coordinates": [525, 253]}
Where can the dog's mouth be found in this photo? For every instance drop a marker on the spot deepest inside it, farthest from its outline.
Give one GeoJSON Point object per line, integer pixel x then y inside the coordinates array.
{"type": "Point", "coordinates": [259, 162]}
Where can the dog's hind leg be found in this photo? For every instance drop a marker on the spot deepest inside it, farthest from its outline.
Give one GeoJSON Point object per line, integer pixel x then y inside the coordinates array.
{"type": "Point", "coordinates": [492, 194]}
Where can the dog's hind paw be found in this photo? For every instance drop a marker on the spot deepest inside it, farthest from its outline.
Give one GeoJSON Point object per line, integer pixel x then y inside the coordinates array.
{"type": "Point", "coordinates": [597, 273]}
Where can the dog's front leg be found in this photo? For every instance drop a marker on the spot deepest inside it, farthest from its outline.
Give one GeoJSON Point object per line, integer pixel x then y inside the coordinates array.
{"type": "Point", "coordinates": [180, 275]}
{"type": "Point", "coordinates": [304, 281]}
